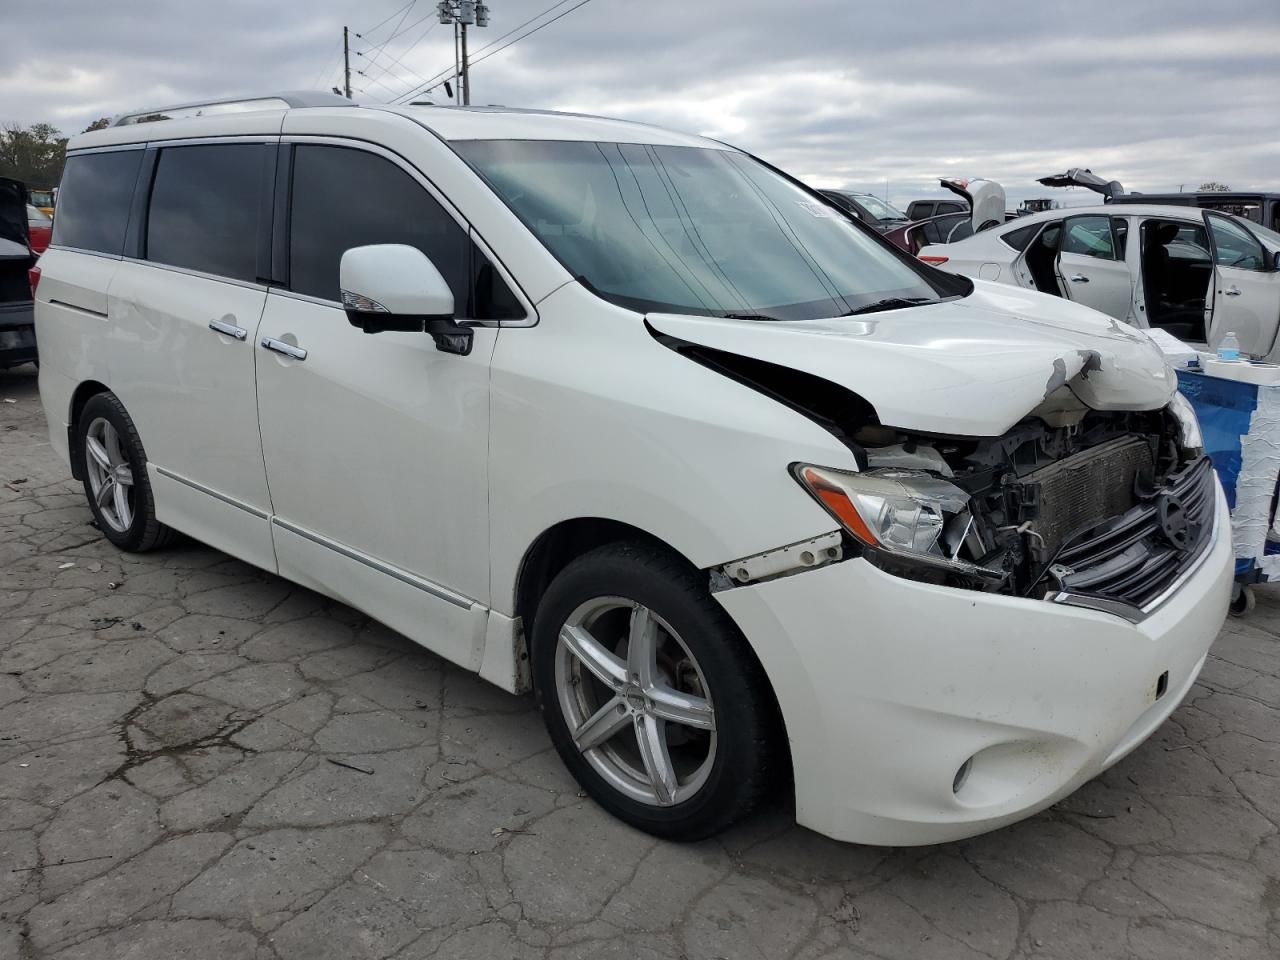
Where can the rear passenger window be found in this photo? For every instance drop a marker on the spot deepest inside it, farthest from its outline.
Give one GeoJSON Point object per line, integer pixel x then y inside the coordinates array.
{"type": "Point", "coordinates": [204, 209]}
{"type": "Point", "coordinates": [1089, 237]}
{"type": "Point", "coordinates": [344, 198]}
{"type": "Point", "coordinates": [94, 199]}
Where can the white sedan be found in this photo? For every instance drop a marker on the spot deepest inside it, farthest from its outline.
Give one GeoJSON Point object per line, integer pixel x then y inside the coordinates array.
{"type": "Point", "coordinates": [1195, 273]}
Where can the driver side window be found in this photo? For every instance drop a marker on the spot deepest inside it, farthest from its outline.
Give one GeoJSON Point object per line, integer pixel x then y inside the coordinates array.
{"type": "Point", "coordinates": [1233, 246]}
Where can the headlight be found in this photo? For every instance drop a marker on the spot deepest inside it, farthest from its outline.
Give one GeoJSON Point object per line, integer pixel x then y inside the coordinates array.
{"type": "Point", "coordinates": [904, 514]}
{"type": "Point", "coordinates": [1189, 435]}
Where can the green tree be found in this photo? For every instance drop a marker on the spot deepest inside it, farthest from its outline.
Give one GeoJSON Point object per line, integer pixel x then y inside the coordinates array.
{"type": "Point", "coordinates": [33, 154]}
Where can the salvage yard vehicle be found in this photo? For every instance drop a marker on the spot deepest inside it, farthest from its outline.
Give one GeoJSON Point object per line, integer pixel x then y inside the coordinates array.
{"type": "Point", "coordinates": [870, 209]}
{"type": "Point", "coordinates": [983, 209]}
{"type": "Point", "coordinates": [17, 327]}
{"type": "Point", "coordinates": [745, 494]}
{"type": "Point", "coordinates": [1198, 274]}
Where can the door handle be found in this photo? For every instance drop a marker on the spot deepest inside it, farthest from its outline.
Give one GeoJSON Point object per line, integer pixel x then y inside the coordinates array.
{"type": "Point", "coordinates": [1232, 291]}
{"type": "Point", "coordinates": [1079, 278]}
{"type": "Point", "coordinates": [230, 329]}
{"type": "Point", "coordinates": [288, 349]}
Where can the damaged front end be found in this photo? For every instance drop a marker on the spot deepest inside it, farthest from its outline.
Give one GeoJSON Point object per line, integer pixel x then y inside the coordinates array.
{"type": "Point", "coordinates": [1108, 508]}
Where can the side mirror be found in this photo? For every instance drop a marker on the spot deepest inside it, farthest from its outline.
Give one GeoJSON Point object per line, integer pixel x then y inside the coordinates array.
{"type": "Point", "coordinates": [393, 286]}
{"type": "Point", "coordinates": [1275, 261]}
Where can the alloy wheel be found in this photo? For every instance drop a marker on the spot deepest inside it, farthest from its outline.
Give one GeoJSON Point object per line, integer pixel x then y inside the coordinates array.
{"type": "Point", "coordinates": [110, 474]}
{"type": "Point", "coordinates": [635, 701]}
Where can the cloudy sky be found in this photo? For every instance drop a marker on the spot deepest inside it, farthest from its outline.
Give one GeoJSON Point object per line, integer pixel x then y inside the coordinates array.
{"type": "Point", "coordinates": [870, 95]}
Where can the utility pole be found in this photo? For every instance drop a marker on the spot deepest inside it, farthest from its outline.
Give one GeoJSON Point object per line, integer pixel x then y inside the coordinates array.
{"type": "Point", "coordinates": [462, 14]}
{"type": "Point", "coordinates": [346, 63]}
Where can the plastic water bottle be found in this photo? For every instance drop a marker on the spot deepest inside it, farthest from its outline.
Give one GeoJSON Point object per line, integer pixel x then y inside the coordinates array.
{"type": "Point", "coordinates": [1229, 348]}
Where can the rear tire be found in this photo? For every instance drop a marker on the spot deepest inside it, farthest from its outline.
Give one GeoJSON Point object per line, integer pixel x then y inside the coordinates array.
{"type": "Point", "coordinates": [114, 465]}
{"type": "Point", "coordinates": [679, 739]}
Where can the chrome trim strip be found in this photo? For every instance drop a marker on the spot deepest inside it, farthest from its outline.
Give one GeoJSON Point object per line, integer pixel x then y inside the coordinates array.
{"type": "Point", "coordinates": [288, 349]}
{"type": "Point", "coordinates": [200, 274]}
{"type": "Point", "coordinates": [112, 148]}
{"type": "Point", "coordinates": [1137, 614]}
{"type": "Point", "coordinates": [404, 576]}
{"type": "Point", "coordinates": [78, 309]}
{"type": "Point", "coordinates": [230, 329]}
{"type": "Point", "coordinates": [260, 514]}
{"type": "Point", "coordinates": [82, 250]}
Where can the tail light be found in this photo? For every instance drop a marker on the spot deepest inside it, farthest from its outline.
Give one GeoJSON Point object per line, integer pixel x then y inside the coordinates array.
{"type": "Point", "coordinates": [934, 260]}
{"type": "Point", "coordinates": [33, 277]}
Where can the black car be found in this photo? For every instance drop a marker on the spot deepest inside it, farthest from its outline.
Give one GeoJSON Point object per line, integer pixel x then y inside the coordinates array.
{"type": "Point", "coordinates": [871, 210]}
{"type": "Point", "coordinates": [17, 318]}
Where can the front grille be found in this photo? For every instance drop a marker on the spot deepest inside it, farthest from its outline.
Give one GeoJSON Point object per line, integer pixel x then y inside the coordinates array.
{"type": "Point", "coordinates": [1084, 490]}
{"type": "Point", "coordinates": [1135, 558]}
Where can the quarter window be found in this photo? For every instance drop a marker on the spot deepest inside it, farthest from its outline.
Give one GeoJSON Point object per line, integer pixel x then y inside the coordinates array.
{"type": "Point", "coordinates": [204, 208]}
{"type": "Point", "coordinates": [1018, 239]}
{"type": "Point", "coordinates": [1089, 237]}
{"type": "Point", "coordinates": [1233, 246]}
{"type": "Point", "coordinates": [94, 199]}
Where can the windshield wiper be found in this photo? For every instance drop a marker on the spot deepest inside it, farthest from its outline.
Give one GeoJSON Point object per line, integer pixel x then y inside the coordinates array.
{"type": "Point", "coordinates": [888, 303]}
{"type": "Point", "coordinates": [749, 316]}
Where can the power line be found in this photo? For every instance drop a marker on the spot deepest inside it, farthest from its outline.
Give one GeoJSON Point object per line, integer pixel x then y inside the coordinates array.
{"type": "Point", "coordinates": [581, 3]}
{"type": "Point", "coordinates": [404, 53]}
{"type": "Point", "coordinates": [394, 33]}
{"type": "Point", "coordinates": [437, 78]}
{"type": "Point", "coordinates": [328, 63]}
{"type": "Point", "coordinates": [381, 22]}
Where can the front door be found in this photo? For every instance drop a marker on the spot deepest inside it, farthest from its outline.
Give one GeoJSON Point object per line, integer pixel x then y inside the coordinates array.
{"type": "Point", "coordinates": [376, 445]}
{"type": "Point", "coordinates": [1091, 265]}
{"type": "Point", "coordinates": [1246, 288]}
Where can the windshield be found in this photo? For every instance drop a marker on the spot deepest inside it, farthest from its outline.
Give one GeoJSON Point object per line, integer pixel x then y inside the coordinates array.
{"type": "Point", "coordinates": [42, 198]}
{"type": "Point", "coordinates": [693, 230]}
{"type": "Point", "coordinates": [878, 208]}
{"type": "Point", "coordinates": [1268, 236]}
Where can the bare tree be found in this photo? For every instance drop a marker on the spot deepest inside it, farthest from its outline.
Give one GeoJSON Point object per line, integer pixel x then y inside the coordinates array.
{"type": "Point", "coordinates": [1213, 186]}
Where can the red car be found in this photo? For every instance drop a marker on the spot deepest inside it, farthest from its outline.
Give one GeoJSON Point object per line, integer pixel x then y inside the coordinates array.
{"type": "Point", "coordinates": [39, 228]}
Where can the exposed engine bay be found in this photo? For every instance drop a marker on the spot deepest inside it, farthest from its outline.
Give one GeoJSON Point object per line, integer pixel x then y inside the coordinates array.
{"type": "Point", "coordinates": [1049, 508]}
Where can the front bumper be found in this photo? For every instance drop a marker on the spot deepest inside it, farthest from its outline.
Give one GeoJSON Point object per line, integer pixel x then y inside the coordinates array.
{"type": "Point", "coordinates": [17, 334]}
{"type": "Point", "coordinates": [888, 686]}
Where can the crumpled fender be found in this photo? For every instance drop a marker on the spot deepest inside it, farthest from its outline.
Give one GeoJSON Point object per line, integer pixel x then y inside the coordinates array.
{"type": "Point", "coordinates": [968, 367]}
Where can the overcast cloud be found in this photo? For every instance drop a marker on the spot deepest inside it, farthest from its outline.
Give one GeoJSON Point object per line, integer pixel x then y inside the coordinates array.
{"type": "Point", "coordinates": [1154, 94]}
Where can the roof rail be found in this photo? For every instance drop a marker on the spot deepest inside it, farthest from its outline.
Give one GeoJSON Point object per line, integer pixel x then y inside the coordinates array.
{"type": "Point", "coordinates": [289, 98]}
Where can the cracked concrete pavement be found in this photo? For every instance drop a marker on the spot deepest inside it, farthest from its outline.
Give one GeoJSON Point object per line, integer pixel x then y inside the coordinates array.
{"type": "Point", "coordinates": [198, 759]}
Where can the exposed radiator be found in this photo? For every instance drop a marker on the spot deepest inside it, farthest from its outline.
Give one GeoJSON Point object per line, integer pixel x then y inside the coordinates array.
{"type": "Point", "coordinates": [1084, 490]}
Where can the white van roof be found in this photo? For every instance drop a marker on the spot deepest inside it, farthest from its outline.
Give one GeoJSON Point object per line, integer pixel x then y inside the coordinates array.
{"type": "Point", "coordinates": [264, 115]}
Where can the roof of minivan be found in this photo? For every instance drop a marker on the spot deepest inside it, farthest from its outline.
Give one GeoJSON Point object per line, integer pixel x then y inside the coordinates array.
{"type": "Point", "coordinates": [447, 122]}
{"type": "Point", "coordinates": [1185, 212]}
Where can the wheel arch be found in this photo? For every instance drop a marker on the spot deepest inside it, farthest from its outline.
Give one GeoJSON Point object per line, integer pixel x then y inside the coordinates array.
{"type": "Point", "coordinates": [82, 394]}
{"type": "Point", "coordinates": [557, 546]}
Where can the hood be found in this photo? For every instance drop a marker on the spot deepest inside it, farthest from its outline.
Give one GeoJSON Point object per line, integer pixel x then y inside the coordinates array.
{"type": "Point", "coordinates": [969, 367]}
{"type": "Point", "coordinates": [1083, 177]}
{"type": "Point", "coordinates": [985, 197]}
{"type": "Point", "coordinates": [13, 211]}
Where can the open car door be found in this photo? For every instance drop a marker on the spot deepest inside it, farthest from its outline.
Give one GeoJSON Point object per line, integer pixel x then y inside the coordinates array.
{"type": "Point", "coordinates": [1091, 266]}
{"type": "Point", "coordinates": [985, 198]}
{"type": "Point", "coordinates": [1083, 177]}
{"type": "Point", "coordinates": [1246, 287]}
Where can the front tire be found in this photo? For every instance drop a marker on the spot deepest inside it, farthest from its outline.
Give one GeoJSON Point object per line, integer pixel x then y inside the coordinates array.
{"type": "Point", "coordinates": [651, 696]}
{"type": "Point", "coordinates": [114, 466]}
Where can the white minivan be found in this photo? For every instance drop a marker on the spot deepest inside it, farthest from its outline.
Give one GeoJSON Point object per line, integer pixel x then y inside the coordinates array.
{"type": "Point", "coordinates": [746, 495]}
